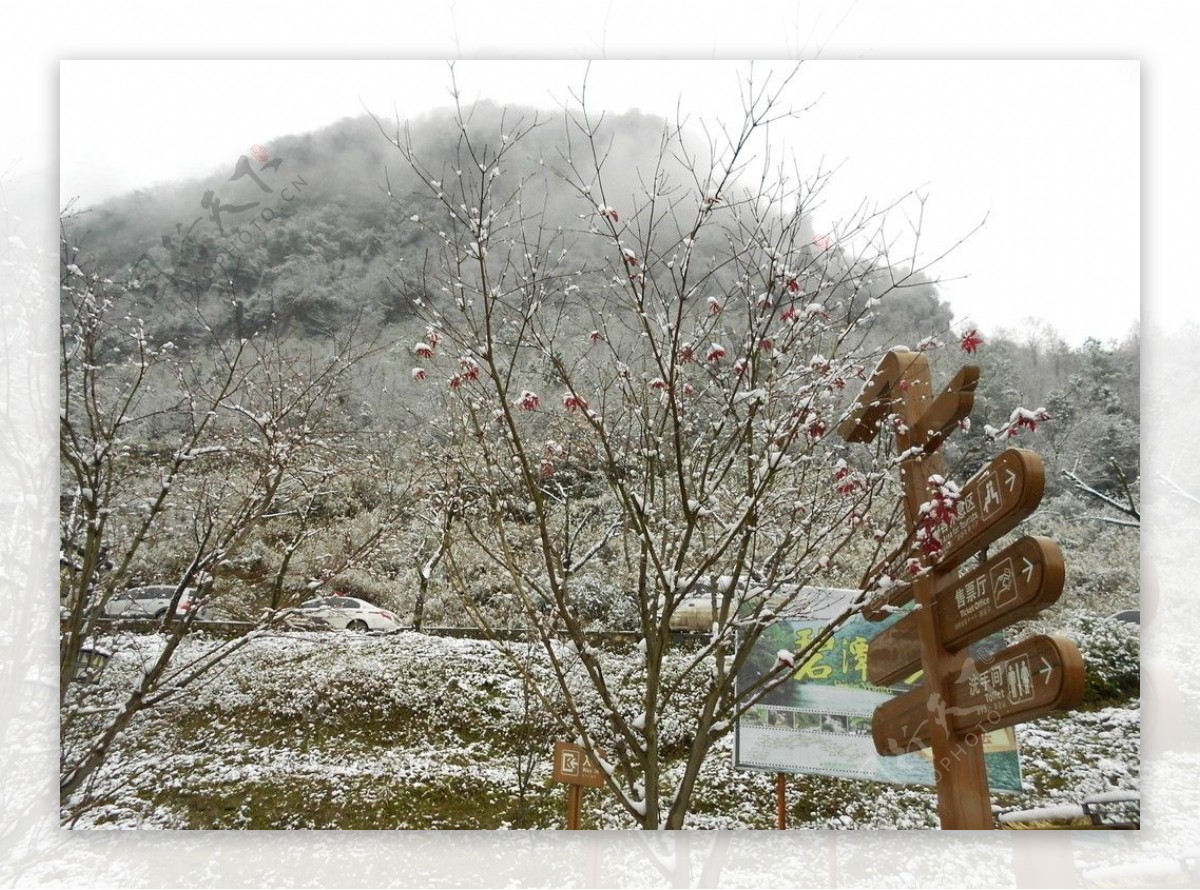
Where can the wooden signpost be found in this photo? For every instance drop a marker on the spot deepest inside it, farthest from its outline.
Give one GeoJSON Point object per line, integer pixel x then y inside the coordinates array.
{"type": "Point", "coordinates": [573, 767]}
{"type": "Point", "coordinates": [992, 503]}
{"type": "Point", "coordinates": [1019, 581]}
{"type": "Point", "coordinates": [960, 699]}
{"type": "Point", "coordinates": [1035, 677]}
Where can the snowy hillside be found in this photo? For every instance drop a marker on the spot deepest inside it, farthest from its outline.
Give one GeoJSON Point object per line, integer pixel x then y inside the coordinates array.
{"type": "Point", "coordinates": [411, 731]}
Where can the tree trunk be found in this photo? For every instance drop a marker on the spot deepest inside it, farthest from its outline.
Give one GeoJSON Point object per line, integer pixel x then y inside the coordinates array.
{"type": "Point", "coordinates": [419, 604]}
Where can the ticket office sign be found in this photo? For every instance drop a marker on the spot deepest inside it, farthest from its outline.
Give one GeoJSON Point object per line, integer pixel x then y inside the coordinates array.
{"type": "Point", "coordinates": [1019, 581]}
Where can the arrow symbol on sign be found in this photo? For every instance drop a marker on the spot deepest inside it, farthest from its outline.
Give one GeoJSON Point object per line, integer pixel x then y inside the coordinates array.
{"type": "Point", "coordinates": [1028, 568]}
{"type": "Point", "coordinates": [1012, 478]}
{"type": "Point", "coordinates": [1047, 670]}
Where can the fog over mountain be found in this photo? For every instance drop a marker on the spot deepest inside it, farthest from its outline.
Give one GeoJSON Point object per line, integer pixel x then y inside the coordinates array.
{"type": "Point", "coordinates": [319, 227]}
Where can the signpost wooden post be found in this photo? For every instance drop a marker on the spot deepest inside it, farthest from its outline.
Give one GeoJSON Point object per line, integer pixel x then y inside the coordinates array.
{"type": "Point", "coordinates": [574, 807]}
{"type": "Point", "coordinates": [573, 767]}
{"type": "Point", "coordinates": [960, 700]}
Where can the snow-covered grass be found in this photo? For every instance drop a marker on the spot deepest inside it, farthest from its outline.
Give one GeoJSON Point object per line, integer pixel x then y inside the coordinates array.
{"type": "Point", "coordinates": [411, 731]}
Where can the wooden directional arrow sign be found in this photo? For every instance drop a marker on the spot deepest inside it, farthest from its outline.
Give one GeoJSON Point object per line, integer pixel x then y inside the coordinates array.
{"type": "Point", "coordinates": [875, 400]}
{"type": "Point", "coordinates": [1033, 678]}
{"type": "Point", "coordinates": [1017, 582]}
{"type": "Point", "coordinates": [992, 503]}
{"type": "Point", "coordinates": [947, 410]}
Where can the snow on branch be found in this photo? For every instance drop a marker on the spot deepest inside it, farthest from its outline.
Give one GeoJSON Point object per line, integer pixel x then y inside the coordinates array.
{"type": "Point", "coordinates": [1128, 508]}
{"type": "Point", "coordinates": [1178, 489]}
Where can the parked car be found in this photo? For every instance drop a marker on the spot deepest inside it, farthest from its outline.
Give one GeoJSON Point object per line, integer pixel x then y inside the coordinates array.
{"type": "Point", "coordinates": [295, 619]}
{"type": "Point", "coordinates": [694, 613]}
{"type": "Point", "coordinates": [348, 613]}
{"type": "Point", "coordinates": [148, 602]}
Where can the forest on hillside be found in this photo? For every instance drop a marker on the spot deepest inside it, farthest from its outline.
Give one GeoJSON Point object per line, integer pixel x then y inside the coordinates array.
{"type": "Point", "coordinates": [334, 244]}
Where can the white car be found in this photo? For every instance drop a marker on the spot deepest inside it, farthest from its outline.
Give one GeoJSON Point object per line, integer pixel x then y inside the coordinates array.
{"type": "Point", "coordinates": [148, 602]}
{"type": "Point", "coordinates": [348, 613]}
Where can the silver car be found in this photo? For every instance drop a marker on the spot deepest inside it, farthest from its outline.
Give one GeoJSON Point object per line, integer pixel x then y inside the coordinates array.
{"type": "Point", "coordinates": [148, 602]}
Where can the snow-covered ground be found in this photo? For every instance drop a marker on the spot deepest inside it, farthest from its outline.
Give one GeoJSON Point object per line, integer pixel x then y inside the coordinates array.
{"type": "Point", "coordinates": [412, 731]}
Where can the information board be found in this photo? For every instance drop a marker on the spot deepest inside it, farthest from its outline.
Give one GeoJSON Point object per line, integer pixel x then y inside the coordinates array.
{"type": "Point", "coordinates": [819, 722]}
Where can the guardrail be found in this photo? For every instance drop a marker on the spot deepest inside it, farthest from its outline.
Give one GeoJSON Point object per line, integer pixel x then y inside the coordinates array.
{"type": "Point", "coordinates": [1113, 810]}
{"type": "Point", "coordinates": [152, 625]}
{"type": "Point", "coordinates": [235, 628]}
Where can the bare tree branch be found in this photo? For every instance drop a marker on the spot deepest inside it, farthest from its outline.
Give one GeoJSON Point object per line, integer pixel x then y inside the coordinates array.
{"type": "Point", "coordinates": [1128, 507]}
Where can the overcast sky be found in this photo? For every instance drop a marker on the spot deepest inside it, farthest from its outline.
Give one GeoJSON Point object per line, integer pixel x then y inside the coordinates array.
{"type": "Point", "coordinates": [1047, 151]}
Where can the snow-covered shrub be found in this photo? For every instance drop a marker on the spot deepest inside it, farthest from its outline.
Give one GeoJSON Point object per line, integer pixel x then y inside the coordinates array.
{"type": "Point", "coordinates": [603, 603]}
{"type": "Point", "coordinates": [357, 731]}
{"type": "Point", "coordinates": [1102, 558]}
{"type": "Point", "coordinates": [1066, 757]}
{"type": "Point", "coordinates": [1111, 652]}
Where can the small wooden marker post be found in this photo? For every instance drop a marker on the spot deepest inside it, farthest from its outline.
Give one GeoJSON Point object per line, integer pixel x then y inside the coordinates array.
{"type": "Point", "coordinates": [781, 820]}
{"type": "Point", "coordinates": [957, 702]}
{"type": "Point", "coordinates": [573, 767]}
{"type": "Point", "coordinates": [574, 807]}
